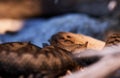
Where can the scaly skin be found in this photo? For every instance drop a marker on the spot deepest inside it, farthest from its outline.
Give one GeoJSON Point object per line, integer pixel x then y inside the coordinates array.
{"type": "Point", "coordinates": [113, 39]}
{"type": "Point", "coordinates": [67, 41]}
{"type": "Point", "coordinates": [25, 60]}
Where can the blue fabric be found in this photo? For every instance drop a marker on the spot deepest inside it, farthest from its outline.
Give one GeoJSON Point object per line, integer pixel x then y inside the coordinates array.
{"type": "Point", "coordinates": [38, 31]}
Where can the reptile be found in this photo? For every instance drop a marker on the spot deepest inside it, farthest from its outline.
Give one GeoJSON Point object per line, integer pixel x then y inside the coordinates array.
{"type": "Point", "coordinates": [67, 41]}
{"type": "Point", "coordinates": [25, 60]}
{"type": "Point", "coordinates": [113, 39]}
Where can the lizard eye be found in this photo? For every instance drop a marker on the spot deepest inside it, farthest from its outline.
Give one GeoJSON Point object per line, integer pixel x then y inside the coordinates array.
{"type": "Point", "coordinates": [68, 36]}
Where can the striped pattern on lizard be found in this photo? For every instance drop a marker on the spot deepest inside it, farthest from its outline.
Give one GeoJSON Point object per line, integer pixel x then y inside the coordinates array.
{"type": "Point", "coordinates": [25, 60]}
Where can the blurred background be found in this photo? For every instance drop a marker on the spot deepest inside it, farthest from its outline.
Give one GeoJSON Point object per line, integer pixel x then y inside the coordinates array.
{"type": "Point", "coordinates": [36, 21]}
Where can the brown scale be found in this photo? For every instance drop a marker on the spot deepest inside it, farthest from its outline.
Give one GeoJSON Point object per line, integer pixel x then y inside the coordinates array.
{"type": "Point", "coordinates": [113, 39]}
{"type": "Point", "coordinates": [19, 47]}
{"type": "Point", "coordinates": [67, 42]}
{"type": "Point", "coordinates": [25, 60]}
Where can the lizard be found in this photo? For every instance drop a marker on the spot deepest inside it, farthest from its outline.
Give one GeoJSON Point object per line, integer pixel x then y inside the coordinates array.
{"type": "Point", "coordinates": [113, 39]}
{"type": "Point", "coordinates": [67, 41]}
{"type": "Point", "coordinates": [25, 60]}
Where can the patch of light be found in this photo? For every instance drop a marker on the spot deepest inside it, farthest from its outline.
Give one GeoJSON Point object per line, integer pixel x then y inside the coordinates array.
{"type": "Point", "coordinates": [56, 1]}
{"type": "Point", "coordinates": [112, 4]}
